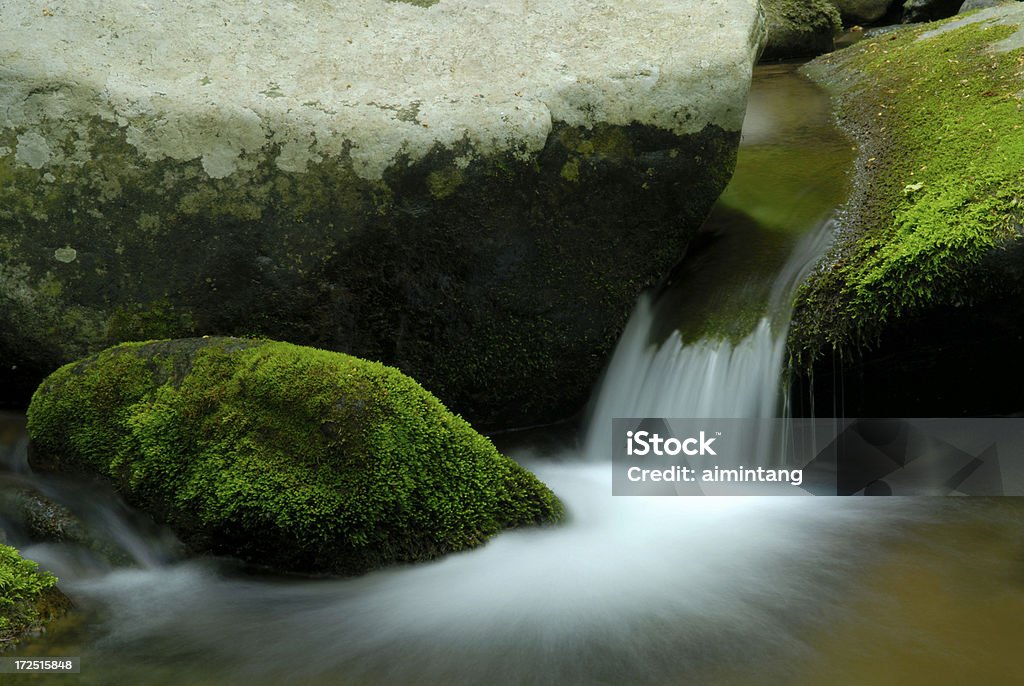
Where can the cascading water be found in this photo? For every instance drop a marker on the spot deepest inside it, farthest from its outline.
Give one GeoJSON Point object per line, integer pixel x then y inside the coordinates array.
{"type": "Point", "coordinates": [630, 590]}
{"type": "Point", "coordinates": [713, 377]}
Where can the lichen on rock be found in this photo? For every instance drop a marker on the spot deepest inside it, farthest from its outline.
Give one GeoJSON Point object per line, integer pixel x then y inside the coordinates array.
{"type": "Point", "coordinates": [292, 458]}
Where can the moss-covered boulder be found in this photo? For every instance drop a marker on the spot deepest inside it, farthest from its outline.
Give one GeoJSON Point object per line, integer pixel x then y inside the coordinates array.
{"type": "Point", "coordinates": [916, 310]}
{"type": "Point", "coordinates": [798, 28]}
{"type": "Point", "coordinates": [474, 191]}
{"type": "Point", "coordinates": [29, 597]}
{"type": "Point", "coordinates": [291, 458]}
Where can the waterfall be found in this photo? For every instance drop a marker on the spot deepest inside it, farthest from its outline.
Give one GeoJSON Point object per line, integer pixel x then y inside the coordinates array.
{"type": "Point", "coordinates": [714, 377]}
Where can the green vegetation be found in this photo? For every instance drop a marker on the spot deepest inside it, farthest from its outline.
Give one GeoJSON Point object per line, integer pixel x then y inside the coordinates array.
{"type": "Point", "coordinates": [28, 597]}
{"type": "Point", "coordinates": [289, 457]}
{"type": "Point", "coordinates": [940, 184]}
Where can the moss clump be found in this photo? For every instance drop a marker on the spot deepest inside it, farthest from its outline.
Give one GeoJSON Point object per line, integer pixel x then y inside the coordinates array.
{"type": "Point", "coordinates": [939, 187]}
{"type": "Point", "coordinates": [290, 457]}
{"type": "Point", "coordinates": [28, 597]}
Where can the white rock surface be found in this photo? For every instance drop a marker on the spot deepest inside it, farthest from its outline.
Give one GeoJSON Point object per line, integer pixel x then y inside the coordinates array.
{"type": "Point", "coordinates": [216, 79]}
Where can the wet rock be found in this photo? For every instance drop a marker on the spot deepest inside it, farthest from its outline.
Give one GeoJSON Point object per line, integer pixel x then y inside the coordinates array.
{"type": "Point", "coordinates": [800, 28]}
{"type": "Point", "coordinates": [473, 191]}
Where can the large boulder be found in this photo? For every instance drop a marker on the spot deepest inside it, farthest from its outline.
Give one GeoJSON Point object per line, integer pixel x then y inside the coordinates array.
{"type": "Point", "coordinates": [916, 310]}
{"type": "Point", "coordinates": [291, 458]}
{"type": "Point", "coordinates": [800, 28]}
{"type": "Point", "coordinates": [472, 190]}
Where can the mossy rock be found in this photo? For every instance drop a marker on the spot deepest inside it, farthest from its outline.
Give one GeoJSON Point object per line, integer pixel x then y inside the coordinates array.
{"type": "Point", "coordinates": [289, 457]}
{"type": "Point", "coordinates": [928, 266]}
{"type": "Point", "coordinates": [29, 598]}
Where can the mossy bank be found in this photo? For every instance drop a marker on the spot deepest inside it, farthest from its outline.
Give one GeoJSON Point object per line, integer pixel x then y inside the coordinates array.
{"type": "Point", "coordinates": [28, 597]}
{"type": "Point", "coordinates": [292, 458]}
{"type": "Point", "coordinates": [928, 267]}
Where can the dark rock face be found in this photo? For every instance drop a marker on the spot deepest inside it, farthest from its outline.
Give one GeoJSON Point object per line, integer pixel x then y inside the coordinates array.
{"type": "Point", "coordinates": [864, 11]}
{"type": "Point", "coordinates": [952, 362]}
{"type": "Point", "coordinates": [929, 10]}
{"type": "Point", "coordinates": [509, 274]}
{"type": "Point", "coordinates": [800, 28]}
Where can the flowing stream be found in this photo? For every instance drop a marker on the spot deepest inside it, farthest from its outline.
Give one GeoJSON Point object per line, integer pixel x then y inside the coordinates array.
{"type": "Point", "coordinates": [631, 590]}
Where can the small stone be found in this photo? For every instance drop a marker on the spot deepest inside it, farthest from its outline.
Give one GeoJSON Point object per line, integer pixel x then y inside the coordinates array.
{"type": "Point", "coordinates": [66, 255]}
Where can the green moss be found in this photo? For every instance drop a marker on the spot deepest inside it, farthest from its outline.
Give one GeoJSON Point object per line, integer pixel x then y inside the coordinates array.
{"type": "Point", "coordinates": [158, 319]}
{"type": "Point", "coordinates": [603, 140]}
{"type": "Point", "coordinates": [28, 596]}
{"type": "Point", "coordinates": [291, 457]}
{"type": "Point", "coordinates": [571, 170]}
{"type": "Point", "coordinates": [444, 182]}
{"type": "Point", "coordinates": [941, 185]}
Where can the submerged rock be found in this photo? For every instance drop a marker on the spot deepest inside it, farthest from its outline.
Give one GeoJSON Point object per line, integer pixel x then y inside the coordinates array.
{"type": "Point", "coordinates": [928, 269]}
{"type": "Point", "coordinates": [291, 458]}
{"type": "Point", "coordinates": [473, 191]}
